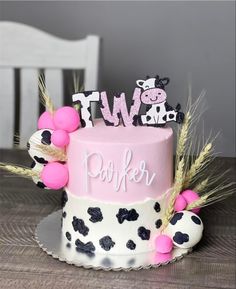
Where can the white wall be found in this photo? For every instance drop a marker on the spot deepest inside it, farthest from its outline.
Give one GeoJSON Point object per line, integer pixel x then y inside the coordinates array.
{"type": "Point", "coordinates": [181, 40]}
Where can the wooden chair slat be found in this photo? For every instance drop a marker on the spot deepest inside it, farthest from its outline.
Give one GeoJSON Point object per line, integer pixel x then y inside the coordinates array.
{"type": "Point", "coordinates": [54, 84]}
{"type": "Point", "coordinates": [7, 102]}
{"type": "Point", "coordinates": [29, 109]}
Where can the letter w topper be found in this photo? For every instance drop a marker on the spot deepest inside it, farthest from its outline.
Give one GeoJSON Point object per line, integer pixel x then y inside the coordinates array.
{"type": "Point", "coordinates": [111, 118]}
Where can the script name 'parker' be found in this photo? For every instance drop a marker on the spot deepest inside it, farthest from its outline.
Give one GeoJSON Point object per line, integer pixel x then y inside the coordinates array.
{"type": "Point", "coordinates": [109, 173]}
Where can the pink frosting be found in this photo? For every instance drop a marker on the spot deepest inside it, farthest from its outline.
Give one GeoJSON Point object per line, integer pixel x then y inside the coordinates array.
{"type": "Point", "coordinates": [147, 147]}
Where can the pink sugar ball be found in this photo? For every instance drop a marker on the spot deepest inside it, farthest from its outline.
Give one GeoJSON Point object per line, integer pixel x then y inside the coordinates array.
{"type": "Point", "coordinates": [191, 196]}
{"type": "Point", "coordinates": [180, 203]}
{"type": "Point", "coordinates": [67, 118]}
{"type": "Point", "coordinates": [163, 244]}
{"type": "Point", "coordinates": [55, 175]}
{"type": "Point", "coordinates": [46, 121]}
{"type": "Point", "coordinates": [60, 138]}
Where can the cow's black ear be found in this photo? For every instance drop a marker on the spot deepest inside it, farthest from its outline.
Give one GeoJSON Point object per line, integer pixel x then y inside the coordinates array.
{"type": "Point", "coordinates": [140, 83]}
{"type": "Point", "coordinates": [165, 81]}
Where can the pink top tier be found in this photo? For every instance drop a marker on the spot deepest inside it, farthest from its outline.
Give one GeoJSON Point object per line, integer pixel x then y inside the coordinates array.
{"type": "Point", "coordinates": [120, 164]}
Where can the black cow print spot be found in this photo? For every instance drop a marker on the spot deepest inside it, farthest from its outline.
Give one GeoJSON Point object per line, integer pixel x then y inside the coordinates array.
{"type": "Point", "coordinates": [180, 238]}
{"type": "Point", "coordinates": [158, 223]}
{"type": "Point", "coordinates": [90, 115]}
{"type": "Point", "coordinates": [148, 117]}
{"type": "Point", "coordinates": [106, 243]}
{"type": "Point", "coordinates": [196, 220]}
{"type": "Point", "coordinates": [158, 109]}
{"type": "Point", "coordinates": [164, 118]}
{"type": "Point", "coordinates": [144, 233]}
{"type": "Point", "coordinates": [64, 214]}
{"type": "Point", "coordinates": [83, 123]}
{"type": "Point", "coordinates": [40, 160]}
{"type": "Point", "coordinates": [88, 93]}
{"type": "Point", "coordinates": [46, 137]}
{"type": "Point", "coordinates": [33, 164]}
{"type": "Point", "coordinates": [108, 123]}
{"type": "Point", "coordinates": [68, 236]}
{"type": "Point", "coordinates": [84, 247]}
{"type": "Point", "coordinates": [176, 218]}
{"type": "Point", "coordinates": [129, 215]}
{"type": "Point", "coordinates": [168, 107]}
{"type": "Point", "coordinates": [137, 120]}
{"type": "Point", "coordinates": [64, 199]}
{"type": "Point", "coordinates": [96, 214]}
{"type": "Point", "coordinates": [79, 225]}
{"type": "Point", "coordinates": [40, 185]}
{"type": "Point", "coordinates": [131, 245]}
{"type": "Point", "coordinates": [148, 107]}
{"type": "Point", "coordinates": [171, 116]}
{"type": "Point", "coordinates": [157, 207]}
{"type": "Point", "coordinates": [87, 253]}
{"type": "Point", "coordinates": [28, 145]}
{"type": "Point", "coordinates": [178, 107]}
{"type": "Point", "coordinates": [180, 117]}
{"type": "Point", "coordinates": [131, 262]}
{"type": "Point", "coordinates": [107, 262]}
{"type": "Point", "coordinates": [68, 245]}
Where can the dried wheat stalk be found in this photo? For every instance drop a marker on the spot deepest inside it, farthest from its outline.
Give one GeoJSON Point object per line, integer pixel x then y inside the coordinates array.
{"type": "Point", "coordinates": [19, 170]}
{"type": "Point", "coordinates": [57, 154]}
{"type": "Point", "coordinates": [45, 98]}
{"type": "Point", "coordinates": [200, 162]}
{"type": "Point", "coordinates": [178, 184]}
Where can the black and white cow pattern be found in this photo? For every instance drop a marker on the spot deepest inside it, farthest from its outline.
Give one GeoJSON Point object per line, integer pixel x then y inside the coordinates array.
{"type": "Point", "coordinates": [37, 167]}
{"type": "Point", "coordinates": [158, 111]}
{"type": "Point", "coordinates": [40, 158]}
{"type": "Point", "coordinates": [81, 227]}
{"type": "Point", "coordinates": [185, 228]}
{"type": "Point", "coordinates": [40, 137]}
{"type": "Point", "coordinates": [84, 99]}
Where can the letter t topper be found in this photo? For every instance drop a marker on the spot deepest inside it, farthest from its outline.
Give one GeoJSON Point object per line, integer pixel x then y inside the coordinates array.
{"type": "Point", "coordinates": [84, 99]}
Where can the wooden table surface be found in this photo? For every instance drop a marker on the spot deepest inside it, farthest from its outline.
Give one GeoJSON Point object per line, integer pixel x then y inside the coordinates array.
{"type": "Point", "coordinates": [24, 265]}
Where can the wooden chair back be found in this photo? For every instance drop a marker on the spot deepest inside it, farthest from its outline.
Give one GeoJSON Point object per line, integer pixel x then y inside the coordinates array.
{"type": "Point", "coordinates": [30, 50]}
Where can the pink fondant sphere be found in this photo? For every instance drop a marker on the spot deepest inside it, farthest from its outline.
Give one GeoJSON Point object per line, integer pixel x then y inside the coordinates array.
{"type": "Point", "coordinates": [66, 118]}
{"type": "Point", "coordinates": [46, 121]}
{"type": "Point", "coordinates": [55, 175]}
{"type": "Point", "coordinates": [191, 196]}
{"type": "Point", "coordinates": [60, 138]}
{"type": "Point", "coordinates": [163, 244]}
{"type": "Point", "coordinates": [180, 203]}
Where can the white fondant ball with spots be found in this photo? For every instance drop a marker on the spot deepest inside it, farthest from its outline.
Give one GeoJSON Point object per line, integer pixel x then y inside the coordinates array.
{"type": "Point", "coordinates": [40, 137]}
{"type": "Point", "coordinates": [36, 167]}
{"type": "Point", "coordinates": [185, 229]}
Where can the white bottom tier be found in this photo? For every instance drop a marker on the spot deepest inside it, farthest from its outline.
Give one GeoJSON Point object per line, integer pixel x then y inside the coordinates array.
{"type": "Point", "coordinates": [111, 228]}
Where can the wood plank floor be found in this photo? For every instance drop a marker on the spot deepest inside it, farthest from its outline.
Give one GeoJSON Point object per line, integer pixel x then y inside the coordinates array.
{"type": "Point", "coordinates": [24, 265]}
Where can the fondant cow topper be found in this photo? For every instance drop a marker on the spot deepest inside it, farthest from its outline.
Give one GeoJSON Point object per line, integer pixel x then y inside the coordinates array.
{"type": "Point", "coordinates": [158, 111]}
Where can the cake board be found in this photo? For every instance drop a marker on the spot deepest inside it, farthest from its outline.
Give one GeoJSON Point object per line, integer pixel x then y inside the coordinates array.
{"type": "Point", "coordinates": [49, 238]}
